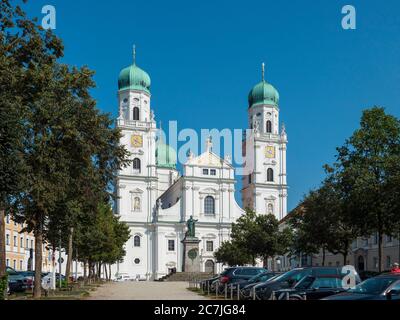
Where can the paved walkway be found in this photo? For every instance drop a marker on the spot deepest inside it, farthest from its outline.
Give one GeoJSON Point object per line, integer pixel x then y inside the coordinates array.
{"type": "Point", "coordinates": [144, 290]}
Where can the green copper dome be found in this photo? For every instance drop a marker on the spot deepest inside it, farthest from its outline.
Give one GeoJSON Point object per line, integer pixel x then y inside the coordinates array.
{"type": "Point", "coordinates": [134, 78]}
{"type": "Point", "coordinates": [263, 93]}
{"type": "Point", "coordinates": [165, 156]}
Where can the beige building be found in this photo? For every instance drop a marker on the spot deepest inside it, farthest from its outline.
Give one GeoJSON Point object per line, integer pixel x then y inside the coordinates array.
{"type": "Point", "coordinates": [20, 248]}
{"type": "Point", "coordinates": [364, 254]}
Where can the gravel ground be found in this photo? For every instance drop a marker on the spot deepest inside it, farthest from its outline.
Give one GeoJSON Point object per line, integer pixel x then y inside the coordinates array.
{"type": "Point", "coordinates": [144, 290]}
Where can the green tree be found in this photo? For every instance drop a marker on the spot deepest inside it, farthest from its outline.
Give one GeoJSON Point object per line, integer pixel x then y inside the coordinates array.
{"type": "Point", "coordinates": [24, 48]}
{"type": "Point", "coordinates": [311, 226]}
{"type": "Point", "coordinates": [368, 168]}
{"type": "Point", "coordinates": [254, 236]}
{"type": "Point", "coordinates": [231, 254]}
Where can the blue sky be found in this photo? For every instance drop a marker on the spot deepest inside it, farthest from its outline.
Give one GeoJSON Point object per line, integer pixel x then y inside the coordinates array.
{"type": "Point", "coordinates": [205, 56]}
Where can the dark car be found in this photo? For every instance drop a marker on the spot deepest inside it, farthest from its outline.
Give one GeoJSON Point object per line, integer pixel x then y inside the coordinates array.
{"type": "Point", "coordinates": [289, 279]}
{"type": "Point", "coordinates": [382, 287]}
{"type": "Point", "coordinates": [29, 278]}
{"type": "Point", "coordinates": [237, 274]}
{"type": "Point", "coordinates": [312, 288]}
{"type": "Point", "coordinates": [246, 287]}
{"type": "Point", "coordinates": [15, 281]}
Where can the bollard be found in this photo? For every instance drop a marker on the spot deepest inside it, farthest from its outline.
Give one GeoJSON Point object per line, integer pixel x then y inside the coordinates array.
{"type": "Point", "coordinates": [287, 296]}
{"type": "Point", "coordinates": [208, 288]}
{"type": "Point", "coordinates": [238, 292]}
{"type": "Point", "coordinates": [226, 291]}
{"type": "Point", "coordinates": [254, 293]}
{"type": "Point", "coordinates": [231, 292]}
{"type": "Point", "coordinates": [273, 295]}
{"type": "Point", "coordinates": [216, 290]}
{"type": "Point", "coordinates": [305, 296]}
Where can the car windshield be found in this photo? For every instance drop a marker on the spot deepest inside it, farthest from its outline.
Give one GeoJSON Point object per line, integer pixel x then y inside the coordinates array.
{"type": "Point", "coordinates": [226, 271]}
{"type": "Point", "coordinates": [288, 275]}
{"type": "Point", "coordinates": [305, 283]}
{"type": "Point", "coordinates": [373, 285]}
{"type": "Point", "coordinates": [259, 278]}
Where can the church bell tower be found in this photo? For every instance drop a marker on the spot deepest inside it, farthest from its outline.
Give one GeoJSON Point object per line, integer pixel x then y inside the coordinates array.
{"type": "Point", "coordinates": [264, 180]}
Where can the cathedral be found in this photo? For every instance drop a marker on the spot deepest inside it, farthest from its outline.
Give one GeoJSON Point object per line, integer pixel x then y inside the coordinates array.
{"type": "Point", "coordinates": [156, 200]}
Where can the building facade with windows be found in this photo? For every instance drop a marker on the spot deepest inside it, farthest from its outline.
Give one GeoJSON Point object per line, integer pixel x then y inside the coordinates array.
{"type": "Point", "coordinates": [156, 200]}
{"type": "Point", "coordinates": [20, 248]}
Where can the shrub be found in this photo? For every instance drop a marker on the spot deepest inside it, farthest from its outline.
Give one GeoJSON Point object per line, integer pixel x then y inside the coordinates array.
{"type": "Point", "coordinates": [3, 287]}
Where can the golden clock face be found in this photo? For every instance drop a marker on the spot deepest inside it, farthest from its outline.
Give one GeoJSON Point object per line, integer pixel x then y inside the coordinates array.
{"type": "Point", "coordinates": [137, 141]}
{"type": "Point", "coordinates": [270, 152]}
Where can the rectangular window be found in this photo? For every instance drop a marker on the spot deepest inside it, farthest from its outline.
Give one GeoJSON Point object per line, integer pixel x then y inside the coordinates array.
{"type": "Point", "coordinates": [21, 243]}
{"type": "Point", "coordinates": [15, 264]}
{"type": "Point", "coordinates": [8, 262]}
{"type": "Point", "coordinates": [15, 241]}
{"type": "Point", "coordinates": [210, 246]}
{"type": "Point", "coordinates": [7, 239]}
{"type": "Point", "coordinates": [8, 218]}
{"type": "Point", "coordinates": [171, 245]}
{"type": "Point", "coordinates": [205, 172]}
{"type": "Point", "coordinates": [20, 265]}
{"type": "Point", "coordinates": [213, 172]}
{"type": "Point", "coordinates": [376, 238]}
{"type": "Point", "coordinates": [27, 243]}
{"type": "Point", "coordinates": [388, 262]}
{"type": "Point", "coordinates": [375, 263]}
{"type": "Point", "coordinates": [31, 244]}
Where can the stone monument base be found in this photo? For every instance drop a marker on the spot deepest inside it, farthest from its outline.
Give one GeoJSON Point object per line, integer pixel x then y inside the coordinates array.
{"type": "Point", "coordinates": [191, 259]}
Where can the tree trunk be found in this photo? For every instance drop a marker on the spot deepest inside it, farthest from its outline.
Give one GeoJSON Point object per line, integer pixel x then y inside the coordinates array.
{"type": "Point", "coordinates": [105, 271]}
{"type": "Point", "coordinates": [109, 271]}
{"type": "Point", "coordinates": [2, 250]}
{"type": "Point", "coordinates": [37, 288]}
{"type": "Point", "coordinates": [345, 258]}
{"type": "Point", "coordinates": [69, 258]}
{"type": "Point", "coordinates": [84, 272]}
{"type": "Point", "coordinates": [380, 251]}
{"type": "Point", "coordinates": [323, 257]}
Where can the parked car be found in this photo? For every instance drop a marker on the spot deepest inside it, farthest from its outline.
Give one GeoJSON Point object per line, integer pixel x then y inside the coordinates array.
{"type": "Point", "coordinates": [289, 279]}
{"type": "Point", "coordinates": [364, 275]}
{"type": "Point", "coordinates": [29, 278]}
{"type": "Point", "coordinates": [237, 275]}
{"type": "Point", "coordinates": [312, 288]}
{"type": "Point", "coordinates": [246, 289]}
{"type": "Point", "coordinates": [382, 287]}
{"type": "Point", "coordinates": [262, 277]}
{"type": "Point", "coordinates": [123, 277]}
{"type": "Point", "coordinates": [15, 281]}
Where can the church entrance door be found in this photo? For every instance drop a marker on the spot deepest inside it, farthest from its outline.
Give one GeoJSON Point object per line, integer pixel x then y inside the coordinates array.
{"type": "Point", "coordinates": [209, 266]}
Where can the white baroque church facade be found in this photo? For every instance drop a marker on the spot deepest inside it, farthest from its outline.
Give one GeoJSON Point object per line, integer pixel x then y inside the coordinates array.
{"type": "Point", "coordinates": [156, 200]}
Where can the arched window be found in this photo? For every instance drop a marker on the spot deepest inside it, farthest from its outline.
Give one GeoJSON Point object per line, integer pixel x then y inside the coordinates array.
{"type": "Point", "coordinates": [270, 175]}
{"type": "Point", "coordinates": [136, 241]}
{"type": "Point", "coordinates": [268, 126]}
{"type": "Point", "coordinates": [135, 113]}
{"type": "Point", "coordinates": [136, 204]}
{"type": "Point", "coordinates": [136, 164]}
{"type": "Point", "coordinates": [209, 205]}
